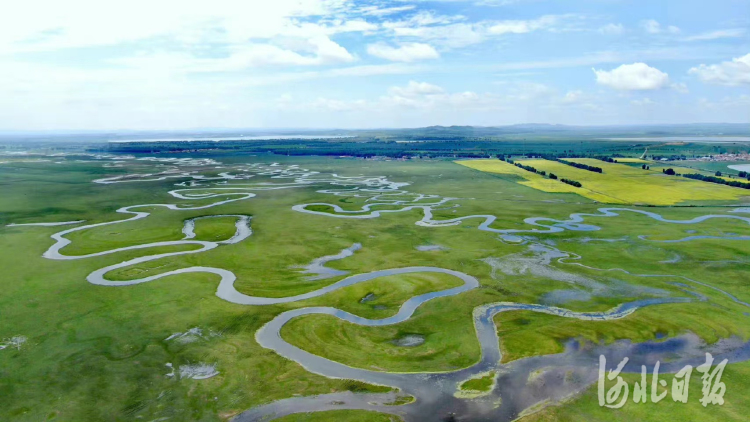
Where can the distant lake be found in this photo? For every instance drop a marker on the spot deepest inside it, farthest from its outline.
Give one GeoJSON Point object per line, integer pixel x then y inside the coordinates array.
{"type": "Point", "coordinates": [688, 138]}
{"type": "Point", "coordinates": [234, 138]}
{"type": "Point", "coordinates": [740, 167]}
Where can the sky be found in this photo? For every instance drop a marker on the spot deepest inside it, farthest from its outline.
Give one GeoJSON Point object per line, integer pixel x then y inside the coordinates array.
{"type": "Point", "coordinates": [185, 64]}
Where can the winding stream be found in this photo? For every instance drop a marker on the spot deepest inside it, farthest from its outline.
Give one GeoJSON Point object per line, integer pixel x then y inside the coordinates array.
{"type": "Point", "coordinates": [435, 393]}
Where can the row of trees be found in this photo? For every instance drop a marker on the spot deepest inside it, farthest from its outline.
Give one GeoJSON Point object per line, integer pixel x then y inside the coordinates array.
{"type": "Point", "coordinates": [572, 182]}
{"type": "Point", "coordinates": [714, 179]}
{"type": "Point", "coordinates": [531, 169]}
{"type": "Point", "coordinates": [552, 176]}
{"type": "Point", "coordinates": [581, 166]}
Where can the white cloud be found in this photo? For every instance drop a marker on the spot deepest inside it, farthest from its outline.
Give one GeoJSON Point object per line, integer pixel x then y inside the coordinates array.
{"type": "Point", "coordinates": [423, 95]}
{"type": "Point", "coordinates": [323, 49]}
{"type": "Point", "coordinates": [423, 19]}
{"type": "Point", "coordinates": [454, 35]}
{"type": "Point", "coordinates": [734, 73]}
{"type": "Point", "coordinates": [319, 50]}
{"type": "Point", "coordinates": [572, 97]}
{"type": "Point", "coordinates": [171, 63]}
{"type": "Point", "coordinates": [80, 23]}
{"type": "Point", "coordinates": [522, 26]}
{"type": "Point", "coordinates": [718, 34]}
{"type": "Point", "coordinates": [526, 26]}
{"type": "Point", "coordinates": [453, 32]}
{"type": "Point", "coordinates": [375, 69]}
{"type": "Point", "coordinates": [384, 11]}
{"type": "Point", "coordinates": [680, 87]}
{"type": "Point", "coordinates": [279, 33]}
{"type": "Point", "coordinates": [405, 52]}
{"type": "Point", "coordinates": [443, 30]}
{"type": "Point", "coordinates": [653, 27]}
{"type": "Point", "coordinates": [414, 89]}
{"type": "Point", "coordinates": [633, 77]}
{"type": "Point", "coordinates": [429, 18]}
{"type": "Point", "coordinates": [415, 96]}
{"type": "Point", "coordinates": [612, 29]}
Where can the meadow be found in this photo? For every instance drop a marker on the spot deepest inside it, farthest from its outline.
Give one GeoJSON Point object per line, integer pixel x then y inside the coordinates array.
{"type": "Point", "coordinates": [100, 353]}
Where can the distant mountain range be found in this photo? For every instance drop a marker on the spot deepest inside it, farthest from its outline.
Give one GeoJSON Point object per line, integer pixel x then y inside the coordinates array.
{"type": "Point", "coordinates": [516, 131]}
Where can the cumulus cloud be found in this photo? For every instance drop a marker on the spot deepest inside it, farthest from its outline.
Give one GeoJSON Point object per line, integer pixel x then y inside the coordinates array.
{"type": "Point", "coordinates": [612, 29]}
{"type": "Point", "coordinates": [734, 73]}
{"type": "Point", "coordinates": [405, 52]}
{"type": "Point", "coordinates": [633, 77]}
{"type": "Point", "coordinates": [653, 27]}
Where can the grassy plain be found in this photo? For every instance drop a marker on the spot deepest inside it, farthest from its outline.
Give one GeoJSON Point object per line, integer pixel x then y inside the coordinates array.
{"type": "Point", "coordinates": [99, 353]}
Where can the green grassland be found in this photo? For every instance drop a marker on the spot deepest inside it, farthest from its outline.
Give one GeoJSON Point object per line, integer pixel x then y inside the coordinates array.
{"type": "Point", "coordinates": [99, 353]}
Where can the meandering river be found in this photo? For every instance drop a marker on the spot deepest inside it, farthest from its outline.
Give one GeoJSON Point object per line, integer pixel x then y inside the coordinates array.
{"type": "Point", "coordinates": [558, 375]}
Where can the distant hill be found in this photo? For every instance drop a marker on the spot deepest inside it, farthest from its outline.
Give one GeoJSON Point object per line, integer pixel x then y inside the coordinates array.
{"type": "Point", "coordinates": [437, 133]}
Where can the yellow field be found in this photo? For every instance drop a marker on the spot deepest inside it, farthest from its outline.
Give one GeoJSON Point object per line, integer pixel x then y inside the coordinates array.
{"type": "Point", "coordinates": [619, 184]}
{"type": "Point", "coordinates": [534, 180]}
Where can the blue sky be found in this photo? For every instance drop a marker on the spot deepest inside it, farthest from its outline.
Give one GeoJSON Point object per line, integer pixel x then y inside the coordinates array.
{"type": "Point", "coordinates": [176, 64]}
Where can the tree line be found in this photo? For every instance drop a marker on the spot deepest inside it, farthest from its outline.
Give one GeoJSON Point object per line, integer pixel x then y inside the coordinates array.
{"type": "Point", "coordinates": [714, 179]}
{"type": "Point", "coordinates": [531, 169]}
{"type": "Point", "coordinates": [572, 182]}
{"type": "Point", "coordinates": [581, 166]}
